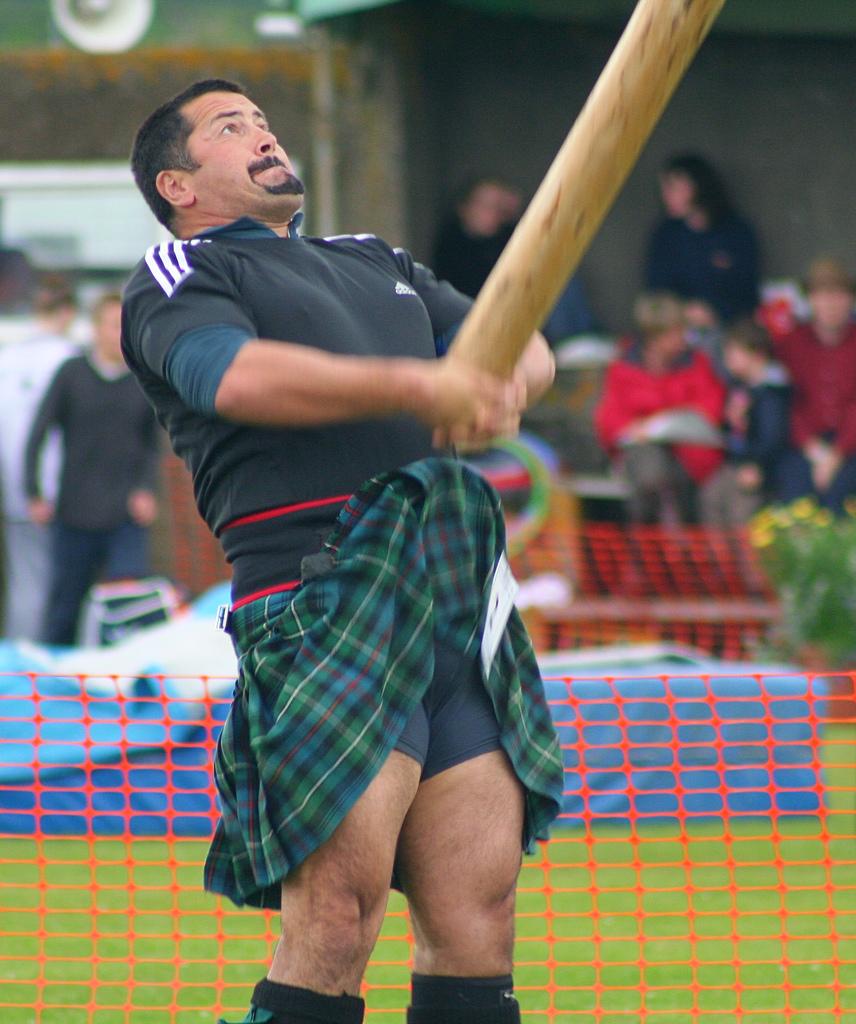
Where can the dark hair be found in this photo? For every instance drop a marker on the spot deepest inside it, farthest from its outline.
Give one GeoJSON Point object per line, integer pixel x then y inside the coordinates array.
{"type": "Point", "coordinates": [161, 143]}
{"type": "Point", "coordinates": [747, 334]}
{"type": "Point", "coordinates": [105, 300]}
{"type": "Point", "coordinates": [468, 187]}
{"type": "Point", "coordinates": [655, 313]}
{"type": "Point", "coordinates": [710, 194]}
{"type": "Point", "coordinates": [54, 292]}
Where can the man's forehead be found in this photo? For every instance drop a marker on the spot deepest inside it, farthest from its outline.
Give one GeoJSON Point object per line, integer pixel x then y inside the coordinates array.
{"type": "Point", "coordinates": [203, 109]}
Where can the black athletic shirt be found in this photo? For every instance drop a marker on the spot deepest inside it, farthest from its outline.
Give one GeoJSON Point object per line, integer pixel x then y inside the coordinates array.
{"type": "Point", "coordinates": [271, 494]}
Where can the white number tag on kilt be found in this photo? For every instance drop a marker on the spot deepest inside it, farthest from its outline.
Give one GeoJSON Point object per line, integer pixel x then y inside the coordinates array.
{"type": "Point", "coordinates": [503, 590]}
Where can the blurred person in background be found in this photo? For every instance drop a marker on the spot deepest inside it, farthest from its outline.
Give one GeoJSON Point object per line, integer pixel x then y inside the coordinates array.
{"type": "Point", "coordinates": [755, 428]}
{"type": "Point", "coordinates": [106, 500]}
{"type": "Point", "coordinates": [26, 370]}
{"type": "Point", "coordinates": [821, 358]}
{"type": "Point", "coordinates": [659, 373]}
{"type": "Point", "coordinates": [472, 239]}
{"type": "Point", "coordinates": [17, 283]}
{"type": "Point", "coordinates": [702, 250]}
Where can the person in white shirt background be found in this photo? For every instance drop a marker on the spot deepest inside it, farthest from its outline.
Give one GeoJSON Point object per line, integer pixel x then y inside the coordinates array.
{"type": "Point", "coordinates": [27, 368]}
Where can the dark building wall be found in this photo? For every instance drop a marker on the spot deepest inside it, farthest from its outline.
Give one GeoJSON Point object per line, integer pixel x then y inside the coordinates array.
{"type": "Point", "coordinates": [498, 95]}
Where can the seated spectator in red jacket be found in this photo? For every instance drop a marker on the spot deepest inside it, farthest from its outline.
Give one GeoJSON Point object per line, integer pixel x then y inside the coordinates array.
{"type": "Point", "coordinates": [664, 457]}
{"type": "Point", "coordinates": [821, 359]}
{"type": "Point", "coordinates": [755, 428]}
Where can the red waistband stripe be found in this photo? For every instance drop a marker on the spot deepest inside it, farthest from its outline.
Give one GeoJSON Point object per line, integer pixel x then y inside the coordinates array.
{"type": "Point", "coordinates": [278, 589]}
{"type": "Point", "coordinates": [284, 510]}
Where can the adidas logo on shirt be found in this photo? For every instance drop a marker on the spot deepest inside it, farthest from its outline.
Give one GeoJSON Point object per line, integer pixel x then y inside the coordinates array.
{"type": "Point", "coordinates": [403, 289]}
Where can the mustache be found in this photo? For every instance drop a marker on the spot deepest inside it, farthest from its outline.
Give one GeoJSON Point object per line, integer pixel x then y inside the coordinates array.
{"type": "Point", "coordinates": [264, 163]}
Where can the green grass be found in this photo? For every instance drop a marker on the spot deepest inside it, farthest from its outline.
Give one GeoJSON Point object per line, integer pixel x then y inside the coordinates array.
{"type": "Point", "coordinates": [753, 924]}
{"type": "Point", "coordinates": [707, 927]}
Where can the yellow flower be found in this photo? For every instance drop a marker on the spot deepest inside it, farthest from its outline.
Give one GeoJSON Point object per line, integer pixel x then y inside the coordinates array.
{"type": "Point", "coordinates": [764, 518]}
{"type": "Point", "coordinates": [804, 508]}
{"type": "Point", "coordinates": [823, 517]}
{"type": "Point", "coordinates": [761, 536]}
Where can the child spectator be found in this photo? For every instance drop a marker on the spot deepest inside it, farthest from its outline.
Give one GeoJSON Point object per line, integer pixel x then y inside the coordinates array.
{"type": "Point", "coordinates": [820, 357]}
{"type": "Point", "coordinates": [755, 428]}
{"type": "Point", "coordinates": [663, 458]}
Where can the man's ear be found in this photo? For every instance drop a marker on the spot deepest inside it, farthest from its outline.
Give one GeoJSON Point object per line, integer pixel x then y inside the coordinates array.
{"type": "Point", "coordinates": [176, 188]}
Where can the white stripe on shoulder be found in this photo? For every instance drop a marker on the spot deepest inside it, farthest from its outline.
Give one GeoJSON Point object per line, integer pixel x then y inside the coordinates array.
{"type": "Point", "coordinates": [157, 273]}
{"type": "Point", "coordinates": [342, 238]}
{"type": "Point", "coordinates": [168, 263]}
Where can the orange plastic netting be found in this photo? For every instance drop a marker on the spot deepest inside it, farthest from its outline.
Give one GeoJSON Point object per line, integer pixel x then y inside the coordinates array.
{"type": "Point", "coordinates": [631, 584]}
{"type": "Point", "coordinates": [703, 870]}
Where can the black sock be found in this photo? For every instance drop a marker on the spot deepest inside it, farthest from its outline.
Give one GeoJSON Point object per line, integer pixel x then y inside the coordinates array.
{"type": "Point", "coordinates": [444, 1000]}
{"type": "Point", "coordinates": [293, 1005]}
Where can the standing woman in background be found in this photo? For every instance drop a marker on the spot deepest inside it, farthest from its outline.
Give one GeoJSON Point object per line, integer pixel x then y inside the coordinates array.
{"type": "Point", "coordinates": [702, 250]}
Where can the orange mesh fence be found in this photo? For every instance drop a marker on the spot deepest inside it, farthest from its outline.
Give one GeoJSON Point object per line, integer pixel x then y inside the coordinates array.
{"type": "Point", "coordinates": [654, 561]}
{"type": "Point", "coordinates": [703, 869]}
{"type": "Point", "coordinates": [613, 559]}
{"type": "Point", "coordinates": [678, 584]}
{"type": "Point", "coordinates": [732, 633]}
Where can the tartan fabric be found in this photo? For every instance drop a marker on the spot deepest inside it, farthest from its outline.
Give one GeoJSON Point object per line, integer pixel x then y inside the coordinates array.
{"type": "Point", "coordinates": [329, 674]}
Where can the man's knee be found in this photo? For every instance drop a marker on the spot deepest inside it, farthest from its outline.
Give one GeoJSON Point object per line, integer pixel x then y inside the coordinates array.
{"type": "Point", "coordinates": [333, 903]}
{"type": "Point", "coordinates": [336, 916]}
{"type": "Point", "coordinates": [470, 937]}
{"type": "Point", "coordinates": [328, 936]}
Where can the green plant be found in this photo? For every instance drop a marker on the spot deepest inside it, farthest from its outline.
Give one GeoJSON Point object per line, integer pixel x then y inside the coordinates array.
{"type": "Point", "coordinates": [810, 558]}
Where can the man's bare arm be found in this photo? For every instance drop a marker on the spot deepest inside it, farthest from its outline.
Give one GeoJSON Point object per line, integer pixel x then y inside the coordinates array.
{"type": "Point", "coordinates": [272, 383]}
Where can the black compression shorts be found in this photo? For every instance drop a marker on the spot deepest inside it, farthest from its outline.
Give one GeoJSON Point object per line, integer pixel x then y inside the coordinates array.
{"type": "Point", "coordinates": [455, 721]}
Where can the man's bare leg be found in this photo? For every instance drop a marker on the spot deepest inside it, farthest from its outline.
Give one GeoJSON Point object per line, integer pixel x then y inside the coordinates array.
{"type": "Point", "coordinates": [333, 906]}
{"type": "Point", "coordinates": [459, 857]}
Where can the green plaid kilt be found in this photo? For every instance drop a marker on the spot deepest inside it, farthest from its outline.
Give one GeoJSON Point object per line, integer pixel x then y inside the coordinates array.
{"type": "Point", "coordinates": [329, 674]}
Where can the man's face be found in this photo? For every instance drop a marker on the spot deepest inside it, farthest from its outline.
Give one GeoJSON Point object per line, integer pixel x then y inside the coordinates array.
{"type": "Point", "coordinates": [242, 170]}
